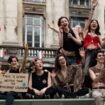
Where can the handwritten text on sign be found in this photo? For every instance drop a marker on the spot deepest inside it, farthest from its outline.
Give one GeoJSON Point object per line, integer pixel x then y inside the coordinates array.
{"type": "Point", "coordinates": [14, 82]}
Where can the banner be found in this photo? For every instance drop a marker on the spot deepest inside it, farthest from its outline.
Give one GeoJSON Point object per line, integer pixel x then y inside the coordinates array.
{"type": "Point", "coordinates": [17, 82]}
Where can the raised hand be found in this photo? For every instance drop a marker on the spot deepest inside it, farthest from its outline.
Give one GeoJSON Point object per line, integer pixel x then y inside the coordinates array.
{"type": "Point", "coordinates": [94, 3]}
{"type": "Point", "coordinates": [54, 29]}
{"type": "Point", "coordinates": [49, 26]}
{"type": "Point", "coordinates": [24, 57]}
{"type": "Point", "coordinates": [26, 46]}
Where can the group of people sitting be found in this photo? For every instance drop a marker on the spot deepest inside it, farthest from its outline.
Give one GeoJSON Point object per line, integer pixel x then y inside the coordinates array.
{"type": "Point", "coordinates": [64, 81]}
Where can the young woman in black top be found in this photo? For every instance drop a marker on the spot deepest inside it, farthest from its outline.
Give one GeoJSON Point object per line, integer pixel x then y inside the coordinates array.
{"type": "Point", "coordinates": [69, 42]}
{"type": "Point", "coordinates": [14, 68]}
{"type": "Point", "coordinates": [40, 81]}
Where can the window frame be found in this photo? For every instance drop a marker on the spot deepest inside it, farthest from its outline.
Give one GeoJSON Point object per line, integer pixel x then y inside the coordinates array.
{"type": "Point", "coordinates": [78, 3]}
{"type": "Point", "coordinates": [26, 25]}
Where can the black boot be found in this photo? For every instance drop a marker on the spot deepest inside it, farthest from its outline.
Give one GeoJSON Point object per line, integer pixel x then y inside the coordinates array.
{"type": "Point", "coordinates": [82, 92]}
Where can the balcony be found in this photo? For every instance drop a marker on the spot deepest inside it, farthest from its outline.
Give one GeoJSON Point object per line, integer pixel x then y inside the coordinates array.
{"type": "Point", "coordinates": [46, 54]}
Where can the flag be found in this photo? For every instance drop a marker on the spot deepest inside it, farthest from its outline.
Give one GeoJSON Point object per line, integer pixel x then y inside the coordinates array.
{"type": "Point", "coordinates": [40, 54]}
{"type": "Point", "coordinates": [2, 52]}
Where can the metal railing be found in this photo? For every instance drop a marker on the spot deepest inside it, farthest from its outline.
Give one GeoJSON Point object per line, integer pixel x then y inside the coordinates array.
{"type": "Point", "coordinates": [46, 54]}
{"type": "Point", "coordinates": [32, 52]}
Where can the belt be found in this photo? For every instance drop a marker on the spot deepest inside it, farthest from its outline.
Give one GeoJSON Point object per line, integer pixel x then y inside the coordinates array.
{"type": "Point", "coordinates": [69, 53]}
{"type": "Point", "coordinates": [99, 88]}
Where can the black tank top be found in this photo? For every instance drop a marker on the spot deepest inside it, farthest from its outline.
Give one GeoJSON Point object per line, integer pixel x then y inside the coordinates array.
{"type": "Point", "coordinates": [14, 70]}
{"type": "Point", "coordinates": [39, 82]}
{"type": "Point", "coordinates": [68, 43]}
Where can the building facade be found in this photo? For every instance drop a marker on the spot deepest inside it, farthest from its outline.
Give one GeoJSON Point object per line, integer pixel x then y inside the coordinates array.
{"type": "Point", "coordinates": [26, 20]}
{"type": "Point", "coordinates": [42, 13]}
{"type": "Point", "coordinates": [79, 10]}
{"type": "Point", "coordinates": [100, 16]}
{"type": "Point", "coordinates": [11, 22]}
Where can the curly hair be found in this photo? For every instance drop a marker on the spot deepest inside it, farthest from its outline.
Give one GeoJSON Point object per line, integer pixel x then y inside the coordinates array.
{"type": "Point", "coordinates": [11, 58]}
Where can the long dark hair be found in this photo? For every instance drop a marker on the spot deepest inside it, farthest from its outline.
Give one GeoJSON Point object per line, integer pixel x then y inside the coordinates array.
{"type": "Point", "coordinates": [57, 65]}
{"type": "Point", "coordinates": [59, 20]}
{"type": "Point", "coordinates": [97, 31]}
{"type": "Point", "coordinates": [59, 24]}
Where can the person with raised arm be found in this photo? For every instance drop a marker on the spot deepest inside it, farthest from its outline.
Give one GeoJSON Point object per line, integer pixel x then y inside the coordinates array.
{"type": "Point", "coordinates": [14, 64]}
{"type": "Point", "coordinates": [69, 42]}
{"type": "Point", "coordinates": [14, 68]}
{"type": "Point", "coordinates": [92, 38]}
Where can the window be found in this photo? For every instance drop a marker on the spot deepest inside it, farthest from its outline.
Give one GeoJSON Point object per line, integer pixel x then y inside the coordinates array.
{"type": "Point", "coordinates": [75, 2]}
{"type": "Point", "coordinates": [80, 2]}
{"type": "Point", "coordinates": [88, 2]}
{"type": "Point", "coordinates": [33, 28]}
{"type": "Point", "coordinates": [78, 21]}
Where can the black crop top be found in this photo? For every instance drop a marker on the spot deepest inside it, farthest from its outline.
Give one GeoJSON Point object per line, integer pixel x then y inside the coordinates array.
{"type": "Point", "coordinates": [68, 43]}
